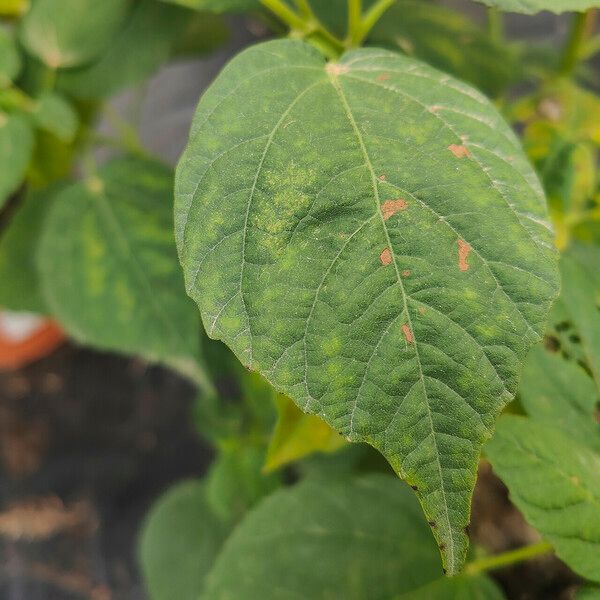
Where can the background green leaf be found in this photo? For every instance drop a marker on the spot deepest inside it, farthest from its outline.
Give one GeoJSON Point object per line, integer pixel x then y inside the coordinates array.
{"type": "Point", "coordinates": [20, 289]}
{"type": "Point", "coordinates": [67, 33]}
{"type": "Point", "coordinates": [352, 539]}
{"type": "Point", "coordinates": [109, 267]}
{"type": "Point", "coordinates": [350, 231]}
{"type": "Point", "coordinates": [219, 6]}
{"type": "Point", "coordinates": [555, 481]}
{"type": "Point", "coordinates": [54, 114]}
{"type": "Point", "coordinates": [16, 146]}
{"type": "Point", "coordinates": [180, 541]}
{"type": "Point", "coordinates": [535, 6]}
{"type": "Point", "coordinates": [10, 61]}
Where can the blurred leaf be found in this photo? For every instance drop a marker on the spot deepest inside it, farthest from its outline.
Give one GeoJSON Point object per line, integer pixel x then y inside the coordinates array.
{"type": "Point", "coordinates": [535, 6]}
{"type": "Point", "coordinates": [16, 146]}
{"type": "Point", "coordinates": [68, 33]}
{"type": "Point", "coordinates": [180, 540]}
{"type": "Point", "coordinates": [203, 33]}
{"type": "Point", "coordinates": [449, 41]}
{"type": "Point", "coordinates": [20, 289]}
{"type": "Point", "coordinates": [54, 114]}
{"type": "Point", "coordinates": [10, 61]}
{"type": "Point", "coordinates": [462, 587]}
{"type": "Point", "coordinates": [52, 159]}
{"type": "Point", "coordinates": [588, 592]}
{"type": "Point", "coordinates": [109, 266]}
{"type": "Point", "coordinates": [558, 392]}
{"type": "Point", "coordinates": [351, 539]}
{"type": "Point", "coordinates": [554, 480]}
{"type": "Point", "coordinates": [236, 482]}
{"type": "Point", "coordinates": [13, 8]}
{"type": "Point", "coordinates": [297, 435]}
{"type": "Point", "coordinates": [143, 44]}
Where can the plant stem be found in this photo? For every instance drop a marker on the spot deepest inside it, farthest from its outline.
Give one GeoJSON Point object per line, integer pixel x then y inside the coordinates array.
{"type": "Point", "coordinates": [498, 561]}
{"type": "Point", "coordinates": [354, 19]}
{"type": "Point", "coordinates": [370, 19]}
{"type": "Point", "coordinates": [286, 14]}
{"type": "Point", "coordinates": [495, 24]}
{"type": "Point", "coordinates": [305, 9]}
{"type": "Point", "coordinates": [580, 27]}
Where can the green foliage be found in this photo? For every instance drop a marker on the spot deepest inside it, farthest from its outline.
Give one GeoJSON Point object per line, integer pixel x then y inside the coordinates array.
{"type": "Point", "coordinates": [68, 33]}
{"type": "Point", "coordinates": [430, 358]}
{"type": "Point", "coordinates": [113, 282]}
{"type": "Point", "coordinates": [554, 480]}
{"type": "Point", "coordinates": [16, 146]}
{"type": "Point", "coordinates": [368, 534]}
{"type": "Point", "coordinates": [219, 6]}
{"type": "Point", "coordinates": [55, 115]}
{"type": "Point", "coordinates": [10, 61]}
{"type": "Point", "coordinates": [180, 541]}
{"type": "Point", "coordinates": [21, 289]}
{"type": "Point", "coordinates": [534, 6]}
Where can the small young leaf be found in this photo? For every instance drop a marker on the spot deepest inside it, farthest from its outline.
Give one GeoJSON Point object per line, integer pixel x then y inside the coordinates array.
{"type": "Point", "coordinates": [180, 541]}
{"type": "Point", "coordinates": [20, 289]}
{"type": "Point", "coordinates": [55, 115]}
{"type": "Point", "coordinates": [350, 231]}
{"type": "Point", "coordinates": [559, 392]}
{"type": "Point", "coordinates": [298, 435]}
{"type": "Point", "coordinates": [109, 267]}
{"type": "Point", "coordinates": [534, 6]}
{"type": "Point", "coordinates": [16, 146]}
{"type": "Point", "coordinates": [555, 482]}
{"type": "Point", "coordinates": [10, 61]}
{"type": "Point", "coordinates": [350, 539]}
{"type": "Point", "coordinates": [67, 33]}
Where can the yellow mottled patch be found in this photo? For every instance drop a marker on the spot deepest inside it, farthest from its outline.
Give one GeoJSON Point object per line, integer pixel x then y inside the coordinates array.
{"type": "Point", "coordinates": [331, 346]}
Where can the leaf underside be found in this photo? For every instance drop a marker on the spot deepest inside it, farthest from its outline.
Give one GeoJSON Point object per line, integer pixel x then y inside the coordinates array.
{"type": "Point", "coordinates": [534, 6]}
{"type": "Point", "coordinates": [369, 236]}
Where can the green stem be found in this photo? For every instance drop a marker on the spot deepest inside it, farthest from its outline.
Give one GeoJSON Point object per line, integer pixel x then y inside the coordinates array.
{"type": "Point", "coordinates": [286, 14]}
{"type": "Point", "coordinates": [495, 24]}
{"type": "Point", "coordinates": [305, 9]}
{"type": "Point", "coordinates": [370, 19]}
{"type": "Point", "coordinates": [354, 20]}
{"type": "Point", "coordinates": [580, 27]}
{"type": "Point", "coordinates": [498, 561]}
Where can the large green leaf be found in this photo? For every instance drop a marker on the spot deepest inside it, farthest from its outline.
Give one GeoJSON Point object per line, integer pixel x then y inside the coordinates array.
{"type": "Point", "coordinates": [370, 237]}
{"type": "Point", "coordinates": [448, 40]}
{"type": "Point", "coordinates": [559, 392]}
{"type": "Point", "coordinates": [180, 541]}
{"type": "Point", "coordinates": [67, 33]}
{"type": "Point", "coordinates": [349, 539]}
{"type": "Point", "coordinates": [10, 61]}
{"type": "Point", "coordinates": [16, 146]}
{"type": "Point", "coordinates": [535, 6]}
{"type": "Point", "coordinates": [463, 587]}
{"type": "Point", "coordinates": [109, 267]}
{"type": "Point", "coordinates": [20, 289]}
{"type": "Point", "coordinates": [144, 43]}
{"type": "Point", "coordinates": [555, 481]}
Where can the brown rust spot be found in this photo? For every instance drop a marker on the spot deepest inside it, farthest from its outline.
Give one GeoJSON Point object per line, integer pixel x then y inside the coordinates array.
{"type": "Point", "coordinates": [385, 257]}
{"type": "Point", "coordinates": [391, 207]}
{"type": "Point", "coordinates": [435, 108]}
{"type": "Point", "coordinates": [459, 150]}
{"type": "Point", "coordinates": [405, 273]}
{"type": "Point", "coordinates": [407, 334]}
{"type": "Point", "coordinates": [414, 487]}
{"type": "Point", "coordinates": [431, 523]}
{"type": "Point", "coordinates": [383, 77]}
{"type": "Point", "coordinates": [382, 178]}
{"type": "Point", "coordinates": [442, 546]}
{"type": "Point", "coordinates": [464, 249]}
{"type": "Point", "coordinates": [336, 69]}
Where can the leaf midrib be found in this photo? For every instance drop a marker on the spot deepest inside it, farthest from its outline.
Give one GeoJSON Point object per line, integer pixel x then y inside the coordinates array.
{"type": "Point", "coordinates": [347, 109]}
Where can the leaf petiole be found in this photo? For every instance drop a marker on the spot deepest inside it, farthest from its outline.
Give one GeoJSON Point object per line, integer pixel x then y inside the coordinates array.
{"type": "Point", "coordinates": [498, 561]}
{"type": "Point", "coordinates": [370, 19]}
